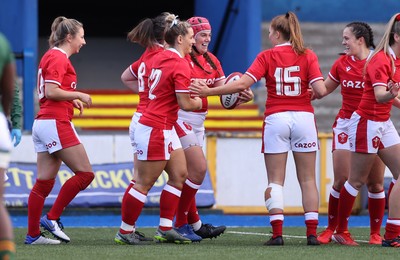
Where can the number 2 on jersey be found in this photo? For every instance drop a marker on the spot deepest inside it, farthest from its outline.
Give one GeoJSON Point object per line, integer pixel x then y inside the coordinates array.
{"type": "Point", "coordinates": [287, 85]}
{"type": "Point", "coordinates": [153, 81]}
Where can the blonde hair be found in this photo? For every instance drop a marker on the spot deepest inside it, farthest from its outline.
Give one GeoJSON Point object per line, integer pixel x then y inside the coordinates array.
{"type": "Point", "coordinates": [60, 29]}
{"type": "Point", "coordinates": [392, 27]}
{"type": "Point", "coordinates": [176, 28]}
{"type": "Point", "coordinates": [288, 25]}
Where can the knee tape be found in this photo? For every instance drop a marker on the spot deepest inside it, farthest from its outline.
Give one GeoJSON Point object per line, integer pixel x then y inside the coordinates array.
{"type": "Point", "coordinates": [274, 196]}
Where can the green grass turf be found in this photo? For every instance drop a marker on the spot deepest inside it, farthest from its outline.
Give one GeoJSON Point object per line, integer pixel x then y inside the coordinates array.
{"type": "Point", "coordinates": [235, 243]}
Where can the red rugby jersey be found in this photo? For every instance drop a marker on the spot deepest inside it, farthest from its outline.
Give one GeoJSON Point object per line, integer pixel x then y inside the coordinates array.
{"type": "Point", "coordinates": [55, 67]}
{"type": "Point", "coordinates": [348, 72]}
{"type": "Point", "coordinates": [378, 73]}
{"type": "Point", "coordinates": [287, 76]}
{"type": "Point", "coordinates": [141, 70]}
{"type": "Point", "coordinates": [210, 78]}
{"type": "Point", "coordinates": [170, 74]}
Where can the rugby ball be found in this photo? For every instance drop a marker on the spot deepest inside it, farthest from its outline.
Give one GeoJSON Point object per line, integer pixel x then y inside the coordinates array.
{"type": "Point", "coordinates": [229, 101]}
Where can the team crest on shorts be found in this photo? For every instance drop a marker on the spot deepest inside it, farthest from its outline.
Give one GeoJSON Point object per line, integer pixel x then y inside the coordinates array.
{"type": "Point", "coordinates": [375, 142]}
{"type": "Point", "coordinates": [170, 149]}
{"type": "Point", "coordinates": [188, 127]}
{"type": "Point", "coordinates": [343, 137]}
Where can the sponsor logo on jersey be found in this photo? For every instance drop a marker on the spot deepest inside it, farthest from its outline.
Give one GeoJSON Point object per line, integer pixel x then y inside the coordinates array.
{"type": "Point", "coordinates": [73, 85]}
{"type": "Point", "coordinates": [209, 82]}
{"type": "Point", "coordinates": [352, 84]}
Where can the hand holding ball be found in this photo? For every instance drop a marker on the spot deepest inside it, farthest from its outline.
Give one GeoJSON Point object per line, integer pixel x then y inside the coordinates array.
{"type": "Point", "coordinates": [230, 101]}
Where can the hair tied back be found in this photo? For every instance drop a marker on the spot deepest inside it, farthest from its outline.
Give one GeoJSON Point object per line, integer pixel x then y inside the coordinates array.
{"type": "Point", "coordinates": [174, 22]}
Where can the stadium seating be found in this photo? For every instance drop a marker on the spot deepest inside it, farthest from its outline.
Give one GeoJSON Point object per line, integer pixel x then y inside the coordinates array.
{"type": "Point", "coordinates": [113, 109]}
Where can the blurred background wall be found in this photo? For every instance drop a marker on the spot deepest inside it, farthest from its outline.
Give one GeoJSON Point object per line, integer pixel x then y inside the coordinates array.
{"type": "Point", "coordinates": [239, 33]}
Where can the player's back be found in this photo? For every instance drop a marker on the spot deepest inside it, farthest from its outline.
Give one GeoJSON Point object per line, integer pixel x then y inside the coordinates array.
{"type": "Point", "coordinates": [170, 74]}
{"type": "Point", "coordinates": [288, 76]}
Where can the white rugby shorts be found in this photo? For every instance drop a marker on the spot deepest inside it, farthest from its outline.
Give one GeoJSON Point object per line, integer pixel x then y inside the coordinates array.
{"type": "Point", "coordinates": [367, 136]}
{"type": "Point", "coordinates": [190, 128]}
{"type": "Point", "coordinates": [132, 127]}
{"type": "Point", "coordinates": [154, 144]}
{"type": "Point", "coordinates": [340, 137]}
{"type": "Point", "coordinates": [290, 130]}
{"type": "Point", "coordinates": [52, 135]}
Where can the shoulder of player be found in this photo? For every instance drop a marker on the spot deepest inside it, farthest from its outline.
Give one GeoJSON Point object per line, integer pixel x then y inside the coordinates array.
{"type": "Point", "coordinates": [55, 53]}
{"type": "Point", "coordinates": [212, 56]}
{"type": "Point", "coordinates": [380, 58]}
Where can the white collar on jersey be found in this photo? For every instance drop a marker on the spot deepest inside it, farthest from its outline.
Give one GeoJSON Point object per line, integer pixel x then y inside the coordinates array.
{"type": "Point", "coordinates": [59, 49]}
{"type": "Point", "coordinates": [283, 44]}
{"type": "Point", "coordinates": [391, 51]}
{"type": "Point", "coordinates": [369, 55]}
{"type": "Point", "coordinates": [174, 50]}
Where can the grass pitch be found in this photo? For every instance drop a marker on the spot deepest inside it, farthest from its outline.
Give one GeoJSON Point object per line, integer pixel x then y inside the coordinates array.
{"type": "Point", "coordinates": [235, 243]}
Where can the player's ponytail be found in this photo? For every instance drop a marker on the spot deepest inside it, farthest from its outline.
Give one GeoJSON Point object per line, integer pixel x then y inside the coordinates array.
{"type": "Point", "coordinates": [288, 25]}
{"type": "Point", "coordinates": [60, 28]}
{"type": "Point", "coordinates": [150, 32]}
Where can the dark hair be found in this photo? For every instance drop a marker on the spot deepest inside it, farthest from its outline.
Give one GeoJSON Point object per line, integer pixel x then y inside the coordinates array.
{"type": "Point", "coordinates": [206, 56]}
{"type": "Point", "coordinates": [60, 28]}
{"type": "Point", "coordinates": [149, 31]}
{"type": "Point", "coordinates": [361, 29]}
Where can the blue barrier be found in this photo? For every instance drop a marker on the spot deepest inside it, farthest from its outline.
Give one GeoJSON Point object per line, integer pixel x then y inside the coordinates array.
{"type": "Point", "coordinates": [106, 190]}
{"type": "Point", "coordinates": [236, 30]}
{"type": "Point", "coordinates": [332, 11]}
{"type": "Point", "coordinates": [29, 83]}
{"type": "Point", "coordinates": [18, 21]}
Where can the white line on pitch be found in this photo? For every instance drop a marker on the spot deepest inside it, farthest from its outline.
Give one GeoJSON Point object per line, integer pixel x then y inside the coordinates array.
{"type": "Point", "coordinates": [267, 234]}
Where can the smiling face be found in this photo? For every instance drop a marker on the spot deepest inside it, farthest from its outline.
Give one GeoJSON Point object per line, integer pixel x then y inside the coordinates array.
{"type": "Point", "coordinates": [188, 41]}
{"type": "Point", "coordinates": [78, 41]}
{"type": "Point", "coordinates": [352, 45]}
{"type": "Point", "coordinates": [203, 39]}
